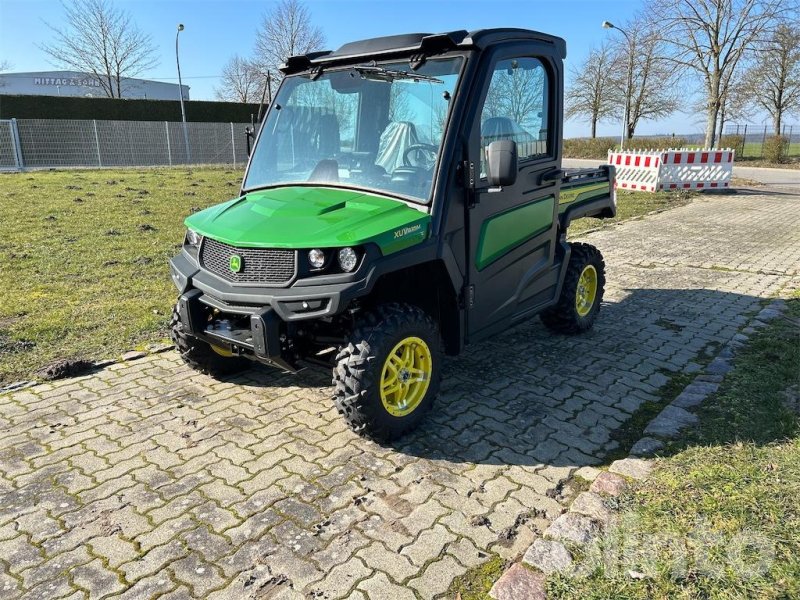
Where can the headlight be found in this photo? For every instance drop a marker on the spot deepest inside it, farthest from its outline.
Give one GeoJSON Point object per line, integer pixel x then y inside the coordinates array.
{"type": "Point", "coordinates": [193, 238]}
{"type": "Point", "coordinates": [348, 259]}
{"type": "Point", "coordinates": [316, 258]}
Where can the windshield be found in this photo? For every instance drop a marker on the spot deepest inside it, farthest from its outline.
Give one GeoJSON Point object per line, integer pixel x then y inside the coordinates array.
{"type": "Point", "coordinates": [377, 127]}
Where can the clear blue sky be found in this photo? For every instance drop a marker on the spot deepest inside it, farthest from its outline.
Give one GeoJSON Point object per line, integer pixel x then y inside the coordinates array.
{"type": "Point", "coordinates": [217, 29]}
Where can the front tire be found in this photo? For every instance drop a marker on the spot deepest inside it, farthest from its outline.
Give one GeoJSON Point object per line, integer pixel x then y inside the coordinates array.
{"type": "Point", "coordinates": [387, 376]}
{"type": "Point", "coordinates": [582, 293]}
{"type": "Point", "coordinates": [200, 355]}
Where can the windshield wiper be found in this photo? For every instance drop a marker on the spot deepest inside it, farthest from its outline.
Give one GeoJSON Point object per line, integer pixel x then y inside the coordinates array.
{"type": "Point", "coordinates": [376, 73]}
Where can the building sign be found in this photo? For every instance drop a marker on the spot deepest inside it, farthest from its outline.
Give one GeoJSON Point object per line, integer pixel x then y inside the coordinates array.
{"type": "Point", "coordinates": [65, 81]}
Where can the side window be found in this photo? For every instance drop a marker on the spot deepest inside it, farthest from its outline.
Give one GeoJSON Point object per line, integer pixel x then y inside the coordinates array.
{"type": "Point", "coordinates": [516, 108]}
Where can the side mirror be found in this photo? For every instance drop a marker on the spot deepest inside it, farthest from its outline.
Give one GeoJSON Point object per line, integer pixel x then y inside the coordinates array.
{"type": "Point", "coordinates": [501, 163]}
{"type": "Point", "coordinates": [249, 134]}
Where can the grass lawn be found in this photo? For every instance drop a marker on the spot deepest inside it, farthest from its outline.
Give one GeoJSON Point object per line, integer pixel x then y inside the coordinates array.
{"type": "Point", "coordinates": [732, 484]}
{"type": "Point", "coordinates": [83, 257]}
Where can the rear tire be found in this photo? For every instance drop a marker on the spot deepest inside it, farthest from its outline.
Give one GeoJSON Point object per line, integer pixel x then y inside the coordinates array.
{"type": "Point", "coordinates": [387, 376]}
{"type": "Point", "coordinates": [582, 293]}
{"type": "Point", "coordinates": [200, 355]}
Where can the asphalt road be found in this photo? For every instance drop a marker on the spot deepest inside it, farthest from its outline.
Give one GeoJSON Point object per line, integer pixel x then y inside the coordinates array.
{"type": "Point", "coordinates": [773, 177]}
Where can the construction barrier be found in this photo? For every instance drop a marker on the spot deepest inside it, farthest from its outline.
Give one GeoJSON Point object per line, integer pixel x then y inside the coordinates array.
{"type": "Point", "coordinates": [654, 170]}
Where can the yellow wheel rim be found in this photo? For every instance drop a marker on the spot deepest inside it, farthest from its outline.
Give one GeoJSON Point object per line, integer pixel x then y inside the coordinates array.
{"type": "Point", "coordinates": [406, 376]}
{"type": "Point", "coordinates": [221, 351]}
{"type": "Point", "coordinates": [587, 291]}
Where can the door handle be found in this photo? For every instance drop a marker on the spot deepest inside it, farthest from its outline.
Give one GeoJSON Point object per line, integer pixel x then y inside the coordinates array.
{"type": "Point", "coordinates": [552, 175]}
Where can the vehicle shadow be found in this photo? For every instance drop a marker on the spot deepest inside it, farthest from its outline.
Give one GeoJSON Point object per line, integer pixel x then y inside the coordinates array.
{"type": "Point", "coordinates": [533, 397]}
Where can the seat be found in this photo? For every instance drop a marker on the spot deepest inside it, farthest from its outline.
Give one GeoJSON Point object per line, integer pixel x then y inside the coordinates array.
{"type": "Point", "coordinates": [326, 171]}
{"type": "Point", "coordinates": [394, 141]}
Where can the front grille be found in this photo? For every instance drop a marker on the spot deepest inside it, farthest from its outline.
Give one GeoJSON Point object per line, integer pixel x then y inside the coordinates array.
{"type": "Point", "coordinates": [259, 265]}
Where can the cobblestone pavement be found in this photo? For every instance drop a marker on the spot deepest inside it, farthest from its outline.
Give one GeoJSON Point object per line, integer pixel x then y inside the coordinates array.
{"type": "Point", "coordinates": [146, 478]}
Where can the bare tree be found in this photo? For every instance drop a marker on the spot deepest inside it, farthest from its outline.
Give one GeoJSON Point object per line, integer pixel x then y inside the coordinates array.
{"type": "Point", "coordinates": [589, 94]}
{"type": "Point", "coordinates": [517, 93]}
{"type": "Point", "coordinates": [240, 81]}
{"type": "Point", "coordinates": [653, 92]}
{"type": "Point", "coordinates": [774, 79]}
{"type": "Point", "coordinates": [736, 103]}
{"type": "Point", "coordinates": [98, 38]}
{"type": "Point", "coordinates": [710, 37]}
{"type": "Point", "coordinates": [5, 65]}
{"type": "Point", "coordinates": [286, 30]}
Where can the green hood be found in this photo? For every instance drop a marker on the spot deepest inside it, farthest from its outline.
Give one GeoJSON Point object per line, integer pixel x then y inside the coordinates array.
{"type": "Point", "coordinates": [312, 217]}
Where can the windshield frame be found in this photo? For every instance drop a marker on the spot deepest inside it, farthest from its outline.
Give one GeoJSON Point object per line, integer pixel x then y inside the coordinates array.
{"type": "Point", "coordinates": [413, 201]}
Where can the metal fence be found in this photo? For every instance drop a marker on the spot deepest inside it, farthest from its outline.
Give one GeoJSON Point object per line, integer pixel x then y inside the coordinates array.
{"type": "Point", "coordinates": [750, 141]}
{"type": "Point", "coordinates": [37, 143]}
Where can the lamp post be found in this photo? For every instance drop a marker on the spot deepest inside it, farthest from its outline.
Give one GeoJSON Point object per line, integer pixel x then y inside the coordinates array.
{"type": "Point", "coordinates": [180, 92]}
{"type": "Point", "coordinates": [629, 82]}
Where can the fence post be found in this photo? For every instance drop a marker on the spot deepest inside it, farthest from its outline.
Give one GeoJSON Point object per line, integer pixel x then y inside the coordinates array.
{"type": "Point", "coordinates": [97, 143]}
{"type": "Point", "coordinates": [17, 147]}
{"type": "Point", "coordinates": [233, 147]}
{"type": "Point", "coordinates": [169, 150]}
{"type": "Point", "coordinates": [763, 142]}
{"type": "Point", "coordinates": [744, 139]}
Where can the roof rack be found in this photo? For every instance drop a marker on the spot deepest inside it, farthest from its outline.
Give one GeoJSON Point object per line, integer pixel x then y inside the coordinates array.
{"type": "Point", "coordinates": [417, 45]}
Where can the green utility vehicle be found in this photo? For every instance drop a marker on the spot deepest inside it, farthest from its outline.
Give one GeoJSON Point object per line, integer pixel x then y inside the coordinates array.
{"type": "Point", "coordinates": [404, 198]}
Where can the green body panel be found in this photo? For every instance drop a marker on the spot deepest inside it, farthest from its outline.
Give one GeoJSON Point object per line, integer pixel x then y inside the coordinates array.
{"type": "Point", "coordinates": [580, 193]}
{"type": "Point", "coordinates": [312, 217]}
{"type": "Point", "coordinates": [505, 231]}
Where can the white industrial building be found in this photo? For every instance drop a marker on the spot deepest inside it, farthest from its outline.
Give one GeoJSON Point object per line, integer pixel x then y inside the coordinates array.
{"type": "Point", "coordinates": [74, 83]}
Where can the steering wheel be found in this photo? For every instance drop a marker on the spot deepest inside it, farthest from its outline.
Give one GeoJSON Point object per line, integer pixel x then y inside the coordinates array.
{"type": "Point", "coordinates": [425, 148]}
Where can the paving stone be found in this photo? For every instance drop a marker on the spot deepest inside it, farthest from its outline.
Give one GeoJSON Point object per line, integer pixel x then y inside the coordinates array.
{"type": "Point", "coordinates": [150, 464]}
{"type": "Point", "coordinates": [429, 543]}
{"type": "Point", "coordinates": [588, 473]}
{"type": "Point", "coordinates": [768, 313]}
{"type": "Point", "coordinates": [591, 505]}
{"type": "Point", "coordinates": [702, 388]}
{"type": "Point", "coordinates": [437, 577]}
{"type": "Point", "coordinates": [548, 556]}
{"type": "Point", "coordinates": [670, 421]}
{"type": "Point", "coordinates": [719, 366]}
{"type": "Point", "coordinates": [688, 400]}
{"type": "Point", "coordinates": [572, 527]}
{"type": "Point", "coordinates": [379, 586]}
{"type": "Point", "coordinates": [646, 447]}
{"type": "Point", "coordinates": [519, 583]}
{"type": "Point", "coordinates": [635, 468]}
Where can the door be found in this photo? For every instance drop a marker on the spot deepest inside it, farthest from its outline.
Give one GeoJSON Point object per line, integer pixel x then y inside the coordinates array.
{"type": "Point", "coordinates": [513, 230]}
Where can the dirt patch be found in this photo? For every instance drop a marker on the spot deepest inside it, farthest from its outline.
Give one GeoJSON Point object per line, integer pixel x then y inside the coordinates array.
{"type": "Point", "coordinates": [65, 368]}
{"type": "Point", "coordinates": [8, 346]}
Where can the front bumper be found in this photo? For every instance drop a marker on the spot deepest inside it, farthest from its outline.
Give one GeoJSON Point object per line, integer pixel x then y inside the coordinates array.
{"type": "Point", "coordinates": [262, 338]}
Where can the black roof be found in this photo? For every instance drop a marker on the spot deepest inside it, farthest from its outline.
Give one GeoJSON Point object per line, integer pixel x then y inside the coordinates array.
{"type": "Point", "coordinates": [419, 43]}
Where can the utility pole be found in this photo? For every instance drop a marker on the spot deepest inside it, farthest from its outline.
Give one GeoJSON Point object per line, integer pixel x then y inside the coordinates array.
{"type": "Point", "coordinates": [629, 82]}
{"type": "Point", "coordinates": [180, 92]}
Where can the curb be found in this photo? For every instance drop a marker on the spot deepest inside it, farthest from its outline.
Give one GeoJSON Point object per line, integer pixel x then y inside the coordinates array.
{"type": "Point", "coordinates": [591, 512]}
{"type": "Point", "coordinates": [96, 366]}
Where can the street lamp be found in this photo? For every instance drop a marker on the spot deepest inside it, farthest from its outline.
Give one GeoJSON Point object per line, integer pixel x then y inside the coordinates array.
{"type": "Point", "coordinates": [610, 25]}
{"type": "Point", "coordinates": [180, 92]}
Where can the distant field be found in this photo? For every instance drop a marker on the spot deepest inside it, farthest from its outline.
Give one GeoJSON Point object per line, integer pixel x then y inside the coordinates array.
{"type": "Point", "coordinates": [755, 150]}
{"type": "Point", "coordinates": [598, 148]}
{"type": "Point", "coordinates": [83, 257]}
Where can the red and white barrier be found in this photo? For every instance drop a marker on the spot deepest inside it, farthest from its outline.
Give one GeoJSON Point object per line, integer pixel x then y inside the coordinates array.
{"type": "Point", "coordinates": [636, 170]}
{"type": "Point", "coordinates": [653, 170]}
